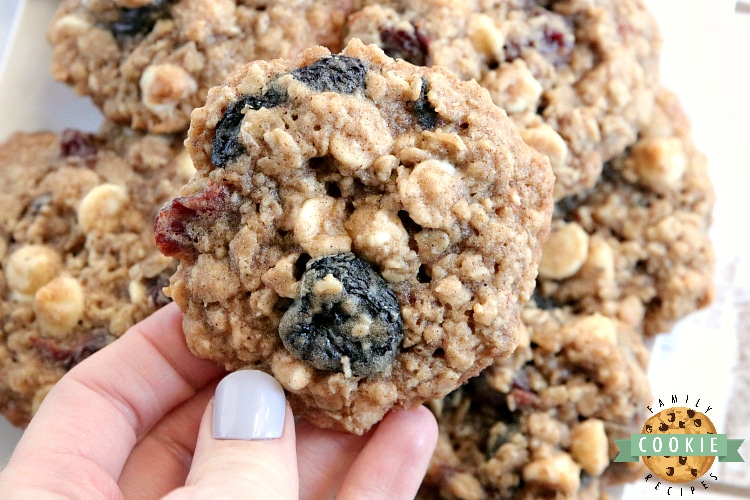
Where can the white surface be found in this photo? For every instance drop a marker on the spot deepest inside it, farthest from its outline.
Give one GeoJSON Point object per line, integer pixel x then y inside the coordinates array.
{"type": "Point", "coordinates": [705, 60]}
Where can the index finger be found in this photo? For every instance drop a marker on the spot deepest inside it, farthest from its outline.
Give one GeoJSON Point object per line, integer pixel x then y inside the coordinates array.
{"type": "Point", "coordinates": [92, 418]}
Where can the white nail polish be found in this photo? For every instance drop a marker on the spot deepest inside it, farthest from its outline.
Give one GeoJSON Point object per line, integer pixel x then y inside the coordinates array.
{"type": "Point", "coordinates": [248, 404]}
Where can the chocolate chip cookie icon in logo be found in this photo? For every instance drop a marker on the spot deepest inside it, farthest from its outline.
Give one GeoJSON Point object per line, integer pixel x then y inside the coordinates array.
{"type": "Point", "coordinates": [679, 445]}
{"type": "Point", "coordinates": [678, 421]}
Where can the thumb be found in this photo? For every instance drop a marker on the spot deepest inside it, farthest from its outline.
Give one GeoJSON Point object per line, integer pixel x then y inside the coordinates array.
{"type": "Point", "coordinates": [246, 445]}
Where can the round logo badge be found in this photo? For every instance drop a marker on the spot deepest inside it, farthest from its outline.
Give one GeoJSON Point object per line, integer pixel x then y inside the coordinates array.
{"type": "Point", "coordinates": [679, 420]}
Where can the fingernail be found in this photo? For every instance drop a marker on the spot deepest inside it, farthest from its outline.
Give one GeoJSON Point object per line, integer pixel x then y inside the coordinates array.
{"type": "Point", "coordinates": [248, 404]}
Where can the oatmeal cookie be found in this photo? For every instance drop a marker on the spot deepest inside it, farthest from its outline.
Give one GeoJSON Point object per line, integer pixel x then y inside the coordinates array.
{"type": "Point", "coordinates": [365, 230]}
{"type": "Point", "coordinates": [636, 245]}
{"type": "Point", "coordinates": [542, 423]}
{"type": "Point", "coordinates": [577, 77]}
{"type": "Point", "coordinates": [78, 262]}
{"type": "Point", "coordinates": [148, 63]}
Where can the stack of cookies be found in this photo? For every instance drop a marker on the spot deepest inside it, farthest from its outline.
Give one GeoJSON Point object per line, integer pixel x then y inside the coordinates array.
{"type": "Point", "coordinates": [482, 206]}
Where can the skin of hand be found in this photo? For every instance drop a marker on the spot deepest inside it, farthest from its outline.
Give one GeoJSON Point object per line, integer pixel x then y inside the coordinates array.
{"type": "Point", "coordinates": [134, 420]}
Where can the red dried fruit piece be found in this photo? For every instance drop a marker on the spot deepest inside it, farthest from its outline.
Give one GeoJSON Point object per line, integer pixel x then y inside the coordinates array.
{"type": "Point", "coordinates": [522, 399]}
{"type": "Point", "coordinates": [173, 235]}
{"type": "Point", "coordinates": [77, 143]}
{"type": "Point", "coordinates": [67, 356]}
{"type": "Point", "coordinates": [556, 44]}
{"type": "Point", "coordinates": [411, 46]}
{"type": "Point", "coordinates": [551, 42]}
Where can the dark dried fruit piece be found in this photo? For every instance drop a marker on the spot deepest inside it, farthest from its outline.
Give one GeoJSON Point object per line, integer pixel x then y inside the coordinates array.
{"type": "Point", "coordinates": [77, 143]}
{"type": "Point", "coordinates": [411, 46]}
{"type": "Point", "coordinates": [155, 286]}
{"type": "Point", "coordinates": [345, 316]}
{"type": "Point", "coordinates": [340, 74]}
{"type": "Point", "coordinates": [226, 146]}
{"type": "Point", "coordinates": [545, 302]}
{"type": "Point", "coordinates": [139, 21]}
{"type": "Point", "coordinates": [548, 35]}
{"type": "Point", "coordinates": [426, 115]}
{"type": "Point", "coordinates": [173, 235]}
{"type": "Point", "coordinates": [67, 356]}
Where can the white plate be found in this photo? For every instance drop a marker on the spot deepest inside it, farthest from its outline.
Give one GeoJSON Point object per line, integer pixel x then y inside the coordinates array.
{"type": "Point", "coordinates": [705, 60]}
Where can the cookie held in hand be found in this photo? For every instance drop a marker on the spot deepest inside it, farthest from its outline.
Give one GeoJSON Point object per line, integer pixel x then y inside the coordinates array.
{"type": "Point", "coordinates": [363, 229]}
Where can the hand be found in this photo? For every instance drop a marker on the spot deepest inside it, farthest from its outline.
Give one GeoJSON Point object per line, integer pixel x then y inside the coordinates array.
{"type": "Point", "coordinates": [135, 421]}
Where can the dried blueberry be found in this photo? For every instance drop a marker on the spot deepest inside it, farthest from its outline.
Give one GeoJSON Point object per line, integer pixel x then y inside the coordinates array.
{"type": "Point", "coordinates": [426, 115]}
{"type": "Point", "coordinates": [345, 315]}
{"type": "Point", "coordinates": [226, 146]}
{"type": "Point", "coordinates": [340, 74]}
{"type": "Point", "coordinates": [544, 302]}
{"type": "Point", "coordinates": [411, 46]}
{"type": "Point", "coordinates": [139, 21]}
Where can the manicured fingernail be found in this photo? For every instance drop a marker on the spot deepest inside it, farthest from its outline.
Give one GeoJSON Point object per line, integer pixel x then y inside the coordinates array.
{"type": "Point", "coordinates": [249, 404]}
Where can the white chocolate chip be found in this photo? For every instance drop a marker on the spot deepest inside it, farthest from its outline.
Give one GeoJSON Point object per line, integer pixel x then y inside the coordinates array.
{"type": "Point", "coordinates": [547, 141]}
{"type": "Point", "coordinates": [184, 165]}
{"type": "Point", "coordinates": [137, 291]}
{"type": "Point", "coordinates": [319, 227]}
{"type": "Point", "coordinates": [485, 36]}
{"type": "Point", "coordinates": [429, 193]}
{"type": "Point", "coordinates": [558, 472]}
{"type": "Point", "coordinates": [59, 306]}
{"type": "Point", "coordinates": [377, 234]}
{"type": "Point", "coordinates": [513, 87]}
{"type": "Point", "coordinates": [292, 374]}
{"type": "Point", "coordinates": [31, 267]}
{"type": "Point", "coordinates": [659, 163]}
{"type": "Point", "coordinates": [70, 25]}
{"type": "Point", "coordinates": [564, 252]}
{"type": "Point", "coordinates": [590, 446]}
{"type": "Point", "coordinates": [164, 86]}
{"type": "Point", "coordinates": [594, 329]}
{"type": "Point", "coordinates": [101, 206]}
